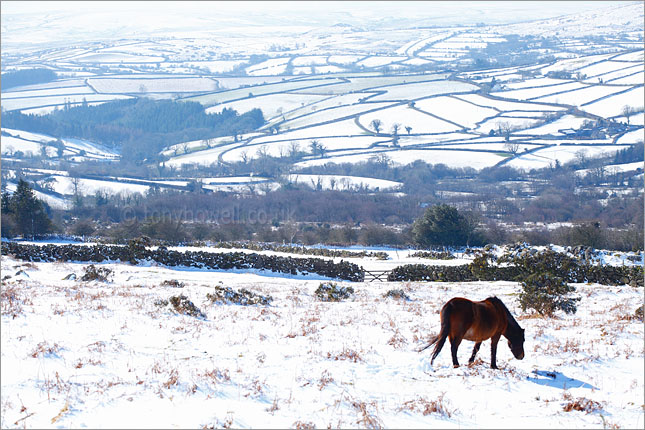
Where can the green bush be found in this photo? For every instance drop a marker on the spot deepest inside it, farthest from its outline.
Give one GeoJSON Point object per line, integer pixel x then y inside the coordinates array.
{"type": "Point", "coordinates": [242, 297]}
{"type": "Point", "coordinates": [332, 292]}
{"type": "Point", "coordinates": [547, 293]}
{"type": "Point", "coordinates": [434, 255]}
{"type": "Point", "coordinates": [92, 273]}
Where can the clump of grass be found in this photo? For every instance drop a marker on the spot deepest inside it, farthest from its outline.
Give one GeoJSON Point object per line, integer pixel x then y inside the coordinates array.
{"type": "Point", "coordinates": [582, 404]}
{"type": "Point", "coordinates": [332, 292]}
{"type": "Point", "coordinates": [301, 425]}
{"type": "Point", "coordinates": [346, 354]}
{"type": "Point", "coordinates": [173, 379]}
{"type": "Point", "coordinates": [367, 420]}
{"type": "Point", "coordinates": [397, 340]}
{"type": "Point", "coordinates": [397, 294]}
{"type": "Point", "coordinates": [427, 407]}
{"type": "Point", "coordinates": [45, 349]}
{"type": "Point", "coordinates": [172, 283]}
{"type": "Point", "coordinates": [242, 297]}
{"type": "Point", "coordinates": [93, 273]}
{"type": "Point", "coordinates": [325, 379]}
{"type": "Point", "coordinates": [11, 300]}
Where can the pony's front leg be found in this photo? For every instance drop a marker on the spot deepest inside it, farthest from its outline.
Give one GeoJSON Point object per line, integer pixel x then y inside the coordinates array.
{"type": "Point", "coordinates": [454, 345]}
{"type": "Point", "coordinates": [475, 350]}
{"type": "Point", "coordinates": [493, 350]}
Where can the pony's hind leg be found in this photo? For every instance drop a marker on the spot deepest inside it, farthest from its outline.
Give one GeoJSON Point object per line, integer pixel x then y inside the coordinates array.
{"type": "Point", "coordinates": [454, 345]}
{"type": "Point", "coordinates": [475, 350]}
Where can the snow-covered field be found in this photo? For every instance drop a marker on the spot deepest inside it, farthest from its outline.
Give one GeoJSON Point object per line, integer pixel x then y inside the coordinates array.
{"type": "Point", "coordinates": [58, 100]}
{"type": "Point", "coordinates": [106, 355]}
{"type": "Point", "coordinates": [459, 111]}
{"type": "Point", "coordinates": [613, 106]}
{"type": "Point", "coordinates": [153, 85]}
{"type": "Point", "coordinates": [341, 182]}
{"type": "Point", "coordinates": [19, 140]}
{"type": "Point", "coordinates": [563, 153]}
{"type": "Point", "coordinates": [271, 105]}
{"type": "Point", "coordinates": [453, 158]}
{"type": "Point", "coordinates": [404, 116]}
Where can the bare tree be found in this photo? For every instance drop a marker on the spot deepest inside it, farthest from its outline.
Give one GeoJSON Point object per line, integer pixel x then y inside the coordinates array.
{"type": "Point", "coordinates": [381, 159]}
{"type": "Point", "coordinates": [376, 125]}
{"type": "Point", "coordinates": [284, 151]}
{"type": "Point", "coordinates": [408, 129]}
{"type": "Point", "coordinates": [251, 188]}
{"type": "Point", "coordinates": [262, 153]}
{"type": "Point", "coordinates": [290, 229]}
{"type": "Point", "coordinates": [512, 147]}
{"type": "Point", "coordinates": [77, 198]}
{"type": "Point", "coordinates": [628, 111]}
{"type": "Point", "coordinates": [581, 157]}
{"type": "Point", "coordinates": [395, 128]}
{"type": "Point", "coordinates": [266, 187]}
{"type": "Point", "coordinates": [317, 183]}
{"type": "Point", "coordinates": [294, 149]}
{"type": "Point", "coordinates": [395, 140]}
{"type": "Point", "coordinates": [244, 155]}
{"type": "Point", "coordinates": [505, 128]}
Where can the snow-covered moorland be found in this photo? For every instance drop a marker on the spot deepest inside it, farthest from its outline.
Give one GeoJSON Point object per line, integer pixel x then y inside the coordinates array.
{"type": "Point", "coordinates": [115, 354]}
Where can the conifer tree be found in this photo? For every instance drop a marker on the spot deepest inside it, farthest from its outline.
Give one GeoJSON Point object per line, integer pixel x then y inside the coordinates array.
{"type": "Point", "coordinates": [27, 212]}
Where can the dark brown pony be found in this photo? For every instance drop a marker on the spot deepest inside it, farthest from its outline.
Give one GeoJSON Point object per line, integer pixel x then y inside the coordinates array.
{"type": "Point", "coordinates": [477, 321]}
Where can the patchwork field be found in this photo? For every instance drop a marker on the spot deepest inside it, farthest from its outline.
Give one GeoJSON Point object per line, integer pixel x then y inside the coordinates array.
{"type": "Point", "coordinates": [423, 87]}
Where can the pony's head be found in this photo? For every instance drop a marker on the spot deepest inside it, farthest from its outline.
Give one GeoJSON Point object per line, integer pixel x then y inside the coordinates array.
{"type": "Point", "coordinates": [516, 343]}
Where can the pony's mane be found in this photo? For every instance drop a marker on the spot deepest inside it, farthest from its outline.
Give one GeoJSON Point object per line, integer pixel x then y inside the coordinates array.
{"type": "Point", "coordinates": [495, 299]}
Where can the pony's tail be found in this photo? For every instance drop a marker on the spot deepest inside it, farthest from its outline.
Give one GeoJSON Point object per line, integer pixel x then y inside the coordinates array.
{"type": "Point", "coordinates": [432, 342]}
{"type": "Point", "coordinates": [440, 339]}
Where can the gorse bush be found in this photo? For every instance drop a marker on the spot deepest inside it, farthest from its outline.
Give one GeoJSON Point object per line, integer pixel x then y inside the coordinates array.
{"type": "Point", "coordinates": [93, 273]}
{"type": "Point", "coordinates": [181, 304]}
{"type": "Point", "coordinates": [332, 292]}
{"type": "Point", "coordinates": [546, 293]}
{"type": "Point", "coordinates": [242, 297]}
{"type": "Point", "coordinates": [434, 255]}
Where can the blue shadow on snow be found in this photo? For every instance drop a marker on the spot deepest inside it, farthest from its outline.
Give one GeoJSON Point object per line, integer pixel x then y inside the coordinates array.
{"type": "Point", "coordinates": [557, 380]}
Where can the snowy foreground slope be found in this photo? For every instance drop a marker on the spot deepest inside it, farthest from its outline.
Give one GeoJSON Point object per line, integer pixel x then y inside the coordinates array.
{"type": "Point", "coordinates": [104, 355]}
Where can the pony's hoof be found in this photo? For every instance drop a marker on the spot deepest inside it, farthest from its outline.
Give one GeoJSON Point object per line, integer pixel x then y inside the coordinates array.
{"type": "Point", "coordinates": [455, 366]}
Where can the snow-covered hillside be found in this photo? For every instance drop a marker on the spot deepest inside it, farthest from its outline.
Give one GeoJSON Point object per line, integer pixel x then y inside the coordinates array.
{"type": "Point", "coordinates": [437, 91]}
{"type": "Point", "coordinates": [115, 355]}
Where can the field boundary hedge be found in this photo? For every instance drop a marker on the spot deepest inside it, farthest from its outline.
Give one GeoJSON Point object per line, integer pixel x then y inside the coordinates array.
{"type": "Point", "coordinates": [519, 267]}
